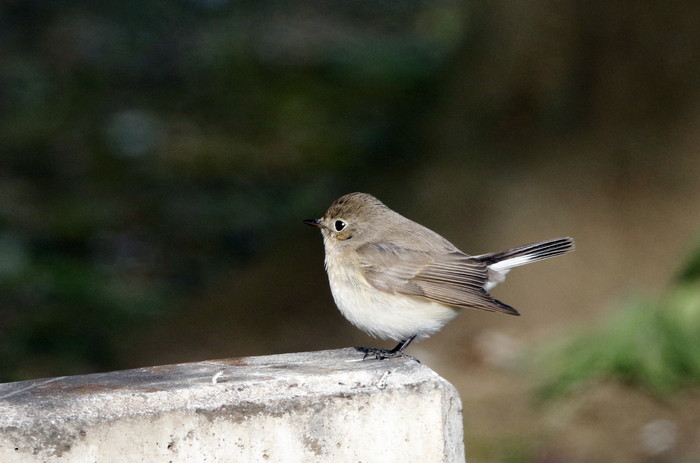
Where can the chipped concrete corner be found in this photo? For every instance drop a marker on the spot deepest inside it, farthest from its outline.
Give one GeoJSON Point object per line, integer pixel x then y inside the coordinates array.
{"type": "Point", "coordinates": [306, 407]}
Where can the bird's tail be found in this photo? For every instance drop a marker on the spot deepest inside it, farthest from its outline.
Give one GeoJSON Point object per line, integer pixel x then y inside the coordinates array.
{"type": "Point", "coordinates": [526, 254]}
{"type": "Point", "coordinates": [500, 263]}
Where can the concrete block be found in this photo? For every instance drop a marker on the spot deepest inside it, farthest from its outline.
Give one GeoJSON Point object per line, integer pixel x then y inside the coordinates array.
{"type": "Point", "coordinates": [328, 406]}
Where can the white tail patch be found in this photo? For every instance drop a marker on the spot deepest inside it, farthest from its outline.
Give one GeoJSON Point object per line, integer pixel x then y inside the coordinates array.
{"type": "Point", "coordinates": [524, 255]}
{"type": "Point", "coordinates": [507, 264]}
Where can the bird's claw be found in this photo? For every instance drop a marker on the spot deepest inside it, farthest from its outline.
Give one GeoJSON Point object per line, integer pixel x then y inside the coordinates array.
{"type": "Point", "coordinates": [383, 354]}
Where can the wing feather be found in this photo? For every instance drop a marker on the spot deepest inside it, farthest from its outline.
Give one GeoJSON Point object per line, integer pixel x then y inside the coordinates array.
{"type": "Point", "coordinates": [452, 278]}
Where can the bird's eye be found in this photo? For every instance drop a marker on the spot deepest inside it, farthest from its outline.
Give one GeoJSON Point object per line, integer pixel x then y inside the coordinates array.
{"type": "Point", "coordinates": [339, 225]}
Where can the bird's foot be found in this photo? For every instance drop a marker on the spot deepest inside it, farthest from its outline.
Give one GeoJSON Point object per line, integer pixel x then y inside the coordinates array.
{"type": "Point", "coordinates": [383, 354]}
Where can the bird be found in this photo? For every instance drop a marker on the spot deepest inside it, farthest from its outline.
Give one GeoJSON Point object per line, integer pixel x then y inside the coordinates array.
{"type": "Point", "coordinates": [398, 280]}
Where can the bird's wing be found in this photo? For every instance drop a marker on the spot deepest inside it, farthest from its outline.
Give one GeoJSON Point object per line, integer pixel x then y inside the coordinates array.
{"type": "Point", "coordinates": [451, 278]}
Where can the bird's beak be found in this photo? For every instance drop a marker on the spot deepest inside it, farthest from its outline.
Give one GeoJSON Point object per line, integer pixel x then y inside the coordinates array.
{"type": "Point", "coordinates": [314, 223]}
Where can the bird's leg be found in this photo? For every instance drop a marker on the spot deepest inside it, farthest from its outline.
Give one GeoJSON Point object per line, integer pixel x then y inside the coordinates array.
{"type": "Point", "coordinates": [402, 345]}
{"type": "Point", "coordinates": [381, 354]}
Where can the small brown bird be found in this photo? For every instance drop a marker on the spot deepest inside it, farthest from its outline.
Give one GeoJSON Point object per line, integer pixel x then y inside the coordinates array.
{"type": "Point", "coordinates": [396, 279]}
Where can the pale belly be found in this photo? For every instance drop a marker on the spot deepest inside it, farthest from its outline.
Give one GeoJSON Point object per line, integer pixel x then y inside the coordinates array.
{"type": "Point", "coordinates": [385, 315]}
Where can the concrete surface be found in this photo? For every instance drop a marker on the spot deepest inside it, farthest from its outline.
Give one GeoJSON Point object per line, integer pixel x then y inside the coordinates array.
{"type": "Point", "coordinates": [328, 406]}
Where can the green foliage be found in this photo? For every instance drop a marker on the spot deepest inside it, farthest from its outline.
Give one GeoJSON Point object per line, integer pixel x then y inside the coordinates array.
{"type": "Point", "coordinates": [503, 449]}
{"type": "Point", "coordinates": [649, 343]}
{"type": "Point", "coordinates": [73, 314]}
{"type": "Point", "coordinates": [690, 273]}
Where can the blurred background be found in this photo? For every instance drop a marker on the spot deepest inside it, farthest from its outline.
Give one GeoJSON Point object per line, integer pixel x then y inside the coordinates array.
{"type": "Point", "coordinates": [157, 158]}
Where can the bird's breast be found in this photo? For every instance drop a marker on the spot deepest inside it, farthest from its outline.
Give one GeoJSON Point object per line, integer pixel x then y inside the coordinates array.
{"type": "Point", "coordinates": [380, 313]}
